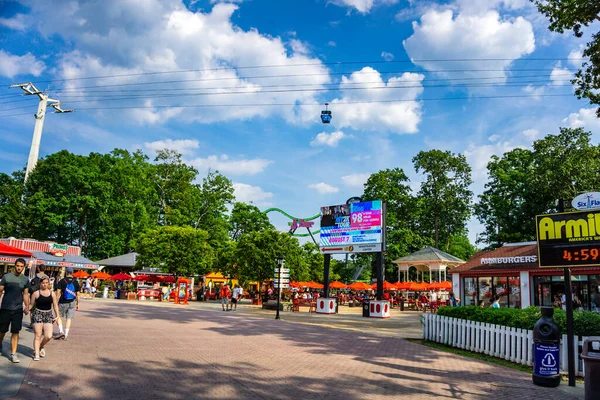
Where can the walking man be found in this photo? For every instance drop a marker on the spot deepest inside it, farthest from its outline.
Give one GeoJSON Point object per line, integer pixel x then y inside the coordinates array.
{"type": "Point", "coordinates": [235, 297]}
{"type": "Point", "coordinates": [68, 293]}
{"type": "Point", "coordinates": [225, 297]}
{"type": "Point", "coordinates": [15, 290]}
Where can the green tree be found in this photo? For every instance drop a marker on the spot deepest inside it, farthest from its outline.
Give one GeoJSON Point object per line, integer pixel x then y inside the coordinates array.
{"type": "Point", "coordinates": [313, 264]}
{"type": "Point", "coordinates": [391, 186]}
{"type": "Point", "coordinates": [256, 254]}
{"type": "Point", "coordinates": [11, 189]}
{"type": "Point", "coordinates": [508, 206]}
{"type": "Point", "coordinates": [445, 197]}
{"type": "Point", "coordinates": [63, 197]}
{"type": "Point", "coordinates": [566, 165]}
{"type": "Point", "coordinates": [180, 250]}
{"type": "Point", "coordinates": [176, 194]}
{"type": "Point", "coordinates": [526, 183]}
{"type": "Point", "coordinates": [246, 218]}
{"type": "Point", "coordinates": [574, 15]}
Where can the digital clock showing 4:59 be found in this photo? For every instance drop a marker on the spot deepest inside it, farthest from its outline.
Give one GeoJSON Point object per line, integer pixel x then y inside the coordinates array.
{"type": "Point", "coordinates": [585, 254]}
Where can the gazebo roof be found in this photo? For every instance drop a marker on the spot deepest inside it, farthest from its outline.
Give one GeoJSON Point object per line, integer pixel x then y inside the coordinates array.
{"type": "Point", "coordinates": [124, 260]}
{"type": "Point", "coordinates": [429, 254]}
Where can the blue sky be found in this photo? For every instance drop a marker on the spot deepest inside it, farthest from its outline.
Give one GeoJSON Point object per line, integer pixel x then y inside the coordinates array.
{"type": "Point", "coordinates": [401, 76]}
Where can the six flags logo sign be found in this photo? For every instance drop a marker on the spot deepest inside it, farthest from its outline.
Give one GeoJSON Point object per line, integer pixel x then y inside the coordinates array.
{"type": "Point", "coordinates": [586, 201]}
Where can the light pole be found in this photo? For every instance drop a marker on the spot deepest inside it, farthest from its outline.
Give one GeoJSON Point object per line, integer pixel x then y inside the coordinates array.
{"type": "Point", "coordinates": [280, 262]}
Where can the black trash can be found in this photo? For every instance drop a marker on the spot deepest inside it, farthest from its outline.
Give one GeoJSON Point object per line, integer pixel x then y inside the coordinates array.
{"type": "Point", "coordinates": [366, 306]}
{"type": "Point", "coordinates": [402, 304]}
{"type": "Point", "coordinates": [546, 350]}
{"type": "Point", "coordinates": [591, 365]}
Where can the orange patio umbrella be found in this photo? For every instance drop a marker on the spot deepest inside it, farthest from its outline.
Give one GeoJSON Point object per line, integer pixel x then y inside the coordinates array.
{"type": "Point", "coordinates": [403, 285]}
{"type": "Point", "coordinates": [386, 286]}
{"type": "Point", "coordinates": [80, 274]}
{"type": "Point", "coordinates": [418, 286]}
{"type": "Point", "coordinates": [359, 286]}
{"type": "Point", "coordinates": [315, 285]}
{"type": "Point", "coordinates": [100, 275]}
{"type": "Point", "coordinates": [337, 285]}
{"type": "Point", "coordinates": [446, 285]}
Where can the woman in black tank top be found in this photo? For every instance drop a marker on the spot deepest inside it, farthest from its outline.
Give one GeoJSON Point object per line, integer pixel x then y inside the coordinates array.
{"type": "Point", "coordinates": [43, 301]}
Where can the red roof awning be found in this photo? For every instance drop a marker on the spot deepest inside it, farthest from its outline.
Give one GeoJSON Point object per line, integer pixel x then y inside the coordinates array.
{"type": "Point", "coordinates": [13, 251]}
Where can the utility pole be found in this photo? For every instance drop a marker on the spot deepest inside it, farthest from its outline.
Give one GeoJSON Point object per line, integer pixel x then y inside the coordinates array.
{"type": "Point", "coordinates": [34, 152]}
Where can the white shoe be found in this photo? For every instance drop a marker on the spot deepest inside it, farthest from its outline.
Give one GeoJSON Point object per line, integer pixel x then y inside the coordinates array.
{"type": "Point", "coordinates": [14, 358]}
{"type": "Point", "coordinates": [36, 358]}
{"type": "Point", "coordinates": [42, 353]}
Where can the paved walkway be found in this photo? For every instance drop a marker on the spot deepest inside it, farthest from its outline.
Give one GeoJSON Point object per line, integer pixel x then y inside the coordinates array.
{"type": "Point", "coordinates": [127, 350]}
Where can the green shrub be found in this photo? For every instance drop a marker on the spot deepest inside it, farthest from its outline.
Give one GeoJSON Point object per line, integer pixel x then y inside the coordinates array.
{"type": "Point", "coordinates": [585, 323]}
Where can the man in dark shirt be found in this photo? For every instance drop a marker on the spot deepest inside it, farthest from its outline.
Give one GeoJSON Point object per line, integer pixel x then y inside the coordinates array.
{"type": "Point", "coordinates": [15, 287]}
{"type": "Point", "coordinates": [68, 302]}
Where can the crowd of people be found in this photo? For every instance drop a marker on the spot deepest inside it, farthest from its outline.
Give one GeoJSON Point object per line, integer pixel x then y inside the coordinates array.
{"type": "Point", "coordinates": [45, 301]}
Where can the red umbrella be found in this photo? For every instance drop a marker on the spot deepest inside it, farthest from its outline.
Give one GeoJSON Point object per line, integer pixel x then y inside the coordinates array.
{"type": "Point", "coordinates": [141, 278]}
{"type": "Point", "coordinates": [167, 279]}
{"type": "Point", "coordinates": [121, 277]}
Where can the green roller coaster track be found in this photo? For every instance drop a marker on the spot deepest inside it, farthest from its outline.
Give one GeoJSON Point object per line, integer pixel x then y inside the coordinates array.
{"type": "Point", "coordinates": [268, 210]}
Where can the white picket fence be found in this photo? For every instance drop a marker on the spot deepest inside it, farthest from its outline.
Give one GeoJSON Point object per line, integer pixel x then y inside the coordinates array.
{"type": "Point", "coordinates": [511, 344]}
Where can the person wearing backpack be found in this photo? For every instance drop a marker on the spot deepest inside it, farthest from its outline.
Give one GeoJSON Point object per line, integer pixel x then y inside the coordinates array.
{"type": "Point", "coordinates": [68, 293]}
{"type": "Point", "coordinates": [36, 281]}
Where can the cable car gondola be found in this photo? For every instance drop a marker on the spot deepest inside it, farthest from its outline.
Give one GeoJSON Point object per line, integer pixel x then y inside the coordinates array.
{"type": "Point", "coordinates": [326, 115]}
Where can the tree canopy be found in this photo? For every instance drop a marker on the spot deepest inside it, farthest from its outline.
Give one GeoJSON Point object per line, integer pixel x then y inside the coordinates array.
{"type": "Point", "coordinates": [575, 15]}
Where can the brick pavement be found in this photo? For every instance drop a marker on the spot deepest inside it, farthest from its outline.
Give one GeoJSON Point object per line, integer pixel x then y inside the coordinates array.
{"type": "Point", "coordinates": [127, 350]}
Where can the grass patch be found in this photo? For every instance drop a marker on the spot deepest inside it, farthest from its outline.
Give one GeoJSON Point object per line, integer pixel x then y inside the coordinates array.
{"type": "Point", "coordinates": [470, 354]}
{"type": "Point", "coordinates": [483, 357]}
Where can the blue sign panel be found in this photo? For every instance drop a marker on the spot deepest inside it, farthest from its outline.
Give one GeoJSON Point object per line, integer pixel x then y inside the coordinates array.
{"type": "Point", "coordinates": [546, 359]}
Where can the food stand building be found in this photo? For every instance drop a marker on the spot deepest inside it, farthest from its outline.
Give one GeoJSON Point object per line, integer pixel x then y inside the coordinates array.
{"type": "Point", "coordinates": [513, 273]}
{"type": "Point", "coordinates": [54, 256]}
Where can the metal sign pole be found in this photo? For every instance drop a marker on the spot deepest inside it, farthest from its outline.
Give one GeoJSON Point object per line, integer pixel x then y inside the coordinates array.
{"type": "Point", "coordinates": [380, 258]}
{"type": "Point", "coordinates": [570, 334]}
{"type": "Point", "coordinates": [327, 263]}
{"type": "Point", "coordinates": [278, 291]}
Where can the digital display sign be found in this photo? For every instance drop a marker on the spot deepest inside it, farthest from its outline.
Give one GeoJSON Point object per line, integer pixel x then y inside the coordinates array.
{"type": "Point", "coordinates": [351, 228]}
{"type": "Point", "coordinates": [569, 239]}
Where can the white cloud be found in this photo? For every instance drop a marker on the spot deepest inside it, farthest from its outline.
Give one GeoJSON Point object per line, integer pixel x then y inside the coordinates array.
{"type": "Point", "coordinates": [324, 188]}
{"type": "Point", "coordinates": [252, 194]}
{"type": "Point", "coordinates": [13, 65]}
{"type": "Point", "coordinates": [482, 6]}
{"type": "Point", "coordinates": [387, 56]}
{"type": "Point", "coordinates": [531, 134]}
{"type": "Point", "coordinates": [182, 146]}
{"type": "Point", "coordinates": [535, 91]}
{"type": "Point", "coordinates": [18, 22]}
{"type": "Point", "coordinates": [442, 36]}
{"type": "Point", "coordinates": [230, 167]}
{"type": "Point", "coordinates": [363, 6]}
{"type": "Point", "coordinates": [586, 118]}
{"type": "Point", "coordinates": [561, 76]}
{"type": "Point", "coordinates": [120, 37]}
{"type": "Point", "coordinates": [395, 111]}
{"type": "Point", "coordinates": [479, 155]}
{"type": "Point", "coordinates": [331, 43]}
{"type": "Point", "coordinates": [355, 180]}
{"type": "Point", "coordinates": [576, 56]}
{"type": "Point", "coordinates": [328, 139]}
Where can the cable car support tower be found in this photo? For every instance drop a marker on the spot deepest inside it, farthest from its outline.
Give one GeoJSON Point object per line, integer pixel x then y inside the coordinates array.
{"type": "Point", "coordinates": [34, 152]}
